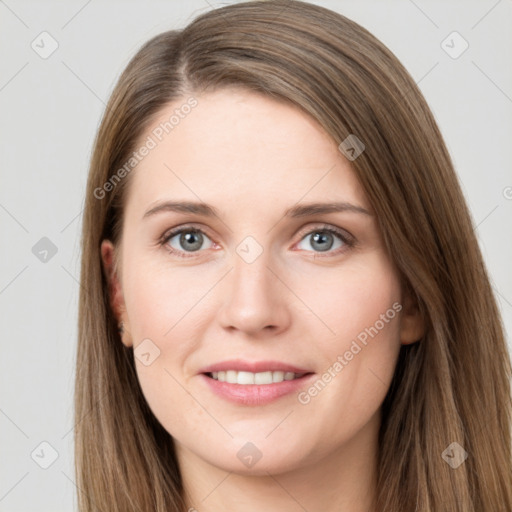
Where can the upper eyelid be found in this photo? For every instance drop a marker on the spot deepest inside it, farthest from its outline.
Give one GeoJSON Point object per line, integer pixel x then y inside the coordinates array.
{"type": "Point", "coordinates": [186, 227]}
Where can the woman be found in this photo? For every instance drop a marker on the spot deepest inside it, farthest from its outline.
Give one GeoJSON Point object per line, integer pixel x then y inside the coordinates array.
{"type": "Point", "coordinates": [330, 340]}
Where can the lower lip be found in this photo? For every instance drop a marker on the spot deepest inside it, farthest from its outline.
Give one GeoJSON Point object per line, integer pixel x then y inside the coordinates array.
{"type": "Point", "coordinates": [256, 394]}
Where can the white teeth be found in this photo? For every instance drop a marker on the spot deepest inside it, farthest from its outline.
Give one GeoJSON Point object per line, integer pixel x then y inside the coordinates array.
{"type": "Point", "coordinates": [277, 376]}
{"type": "Point", "coordinates": [269, 377]}
{"type": "Point", "coordinates": [263, 378]}
{"type": "Point", "coordinates": [240, 377]}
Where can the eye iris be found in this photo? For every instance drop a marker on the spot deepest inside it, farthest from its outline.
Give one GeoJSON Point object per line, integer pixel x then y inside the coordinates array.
{"type": "Point", "coordinates": [322, 240]}
{"type": "Point", "coordinates": [320, 237]}
{"type": "Point", "coordinates": [188, 237]}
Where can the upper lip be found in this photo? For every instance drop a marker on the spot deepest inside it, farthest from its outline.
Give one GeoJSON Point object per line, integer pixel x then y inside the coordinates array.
{"type": "Point", "coordinates": [252, 366]}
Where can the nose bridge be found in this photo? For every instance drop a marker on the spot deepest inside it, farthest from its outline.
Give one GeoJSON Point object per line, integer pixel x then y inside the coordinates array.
{"type": "Point", "coordinates": [251, 270]}
{"type": "Point", "coordinates": [254, 295]}
{"type": "Point", "coordinates": [251, 275]}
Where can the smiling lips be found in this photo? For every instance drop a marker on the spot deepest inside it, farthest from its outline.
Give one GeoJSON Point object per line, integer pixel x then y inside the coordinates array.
{"type": "Point", "coordinates": [245, 378]}
{"type": "Point", "coordinates": [254, 383]}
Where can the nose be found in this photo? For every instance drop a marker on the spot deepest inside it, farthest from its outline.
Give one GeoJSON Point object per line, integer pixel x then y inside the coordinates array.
{"type": "Point", "coordinates": [256, 298]}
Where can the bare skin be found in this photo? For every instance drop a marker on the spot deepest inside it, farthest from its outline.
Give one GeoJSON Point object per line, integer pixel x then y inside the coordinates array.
{"type": "Point", "coordinates": [252, 158]}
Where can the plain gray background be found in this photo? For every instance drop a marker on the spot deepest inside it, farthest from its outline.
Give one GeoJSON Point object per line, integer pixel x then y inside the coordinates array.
{"type": "Point", "coordinates": [51, 108]}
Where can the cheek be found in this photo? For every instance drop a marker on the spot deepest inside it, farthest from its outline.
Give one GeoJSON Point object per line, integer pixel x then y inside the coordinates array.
{"type": "Point", "coordinates": [358, 340]}
{"type": "Point", "coordinates": [164, 308]}
{"type": "Point", "coordinates": [161, 300]}
{"type": "Point", "coordinates": [349, 300]}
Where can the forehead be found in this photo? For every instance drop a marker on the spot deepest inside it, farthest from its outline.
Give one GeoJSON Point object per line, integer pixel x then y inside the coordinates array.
{"type": "Point", "coordinates": [241, 148]}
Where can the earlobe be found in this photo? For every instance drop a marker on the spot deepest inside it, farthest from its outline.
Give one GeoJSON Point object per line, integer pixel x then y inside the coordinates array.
{"type": "Point", "coordinates": [115, 291]}
{"type": "Point", "coordinates": [412, 323]}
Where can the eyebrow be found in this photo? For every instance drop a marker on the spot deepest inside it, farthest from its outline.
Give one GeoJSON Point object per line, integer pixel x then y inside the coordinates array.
{"type": "Point", "coordinates": [303, 210]}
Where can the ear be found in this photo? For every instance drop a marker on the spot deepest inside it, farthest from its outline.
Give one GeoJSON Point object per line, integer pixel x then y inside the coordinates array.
{"type": "Point", "coordinates": [412, 323]}
{"type": "Point", "coordinates": [115, 291]}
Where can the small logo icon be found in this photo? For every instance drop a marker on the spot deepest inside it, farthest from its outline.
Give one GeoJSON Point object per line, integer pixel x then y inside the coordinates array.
{"type": "Point", "coordinates": [44, 455]}
{"type": "Point", "coordinates": [146, 352]}
{"type": "Point", "coordinates": [44, 250]}
{"type": "Point", "coordinates": [454, 455]}
{"type": "Point", "coordinates": [351, 147]}
{"type": "Point", "coordinates": [249, 249]}
{"type": "Point", "coordinates": [454, 45]}
{"type": "Point", "coordinates": [44, 45]}
{"type": "Point", "coordinates": [249, 454]}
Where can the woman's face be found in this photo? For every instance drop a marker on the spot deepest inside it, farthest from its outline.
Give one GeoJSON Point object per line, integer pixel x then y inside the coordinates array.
{"type": "Point", "coordinates": [258, 291]}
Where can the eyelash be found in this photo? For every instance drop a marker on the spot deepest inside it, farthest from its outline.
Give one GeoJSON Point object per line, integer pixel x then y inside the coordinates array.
{"type": "Point", "coordinates": [348, 241]}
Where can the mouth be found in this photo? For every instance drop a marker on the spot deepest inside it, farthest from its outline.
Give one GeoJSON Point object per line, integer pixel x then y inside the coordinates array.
{"type": "Point", "coordinates": [254, 384]}
{"type": "Point", "coordinates": [260, 378]}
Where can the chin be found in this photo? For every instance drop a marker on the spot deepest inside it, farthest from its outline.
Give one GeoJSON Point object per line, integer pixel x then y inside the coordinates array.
{"type": "Point", "coordinates": [264, 466]}
{"type": "Point", "coordinates": [257, 458]}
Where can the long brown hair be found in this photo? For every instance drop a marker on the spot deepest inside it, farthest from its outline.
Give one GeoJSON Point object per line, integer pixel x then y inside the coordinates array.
{"type": "Point", "coordinates": [452, 386]}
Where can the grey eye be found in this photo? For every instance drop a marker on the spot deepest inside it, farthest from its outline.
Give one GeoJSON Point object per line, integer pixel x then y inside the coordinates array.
{"type": "Point", "coordinates": [189, 240]}
{"type": "Point", "coordinates": [322, 240]}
